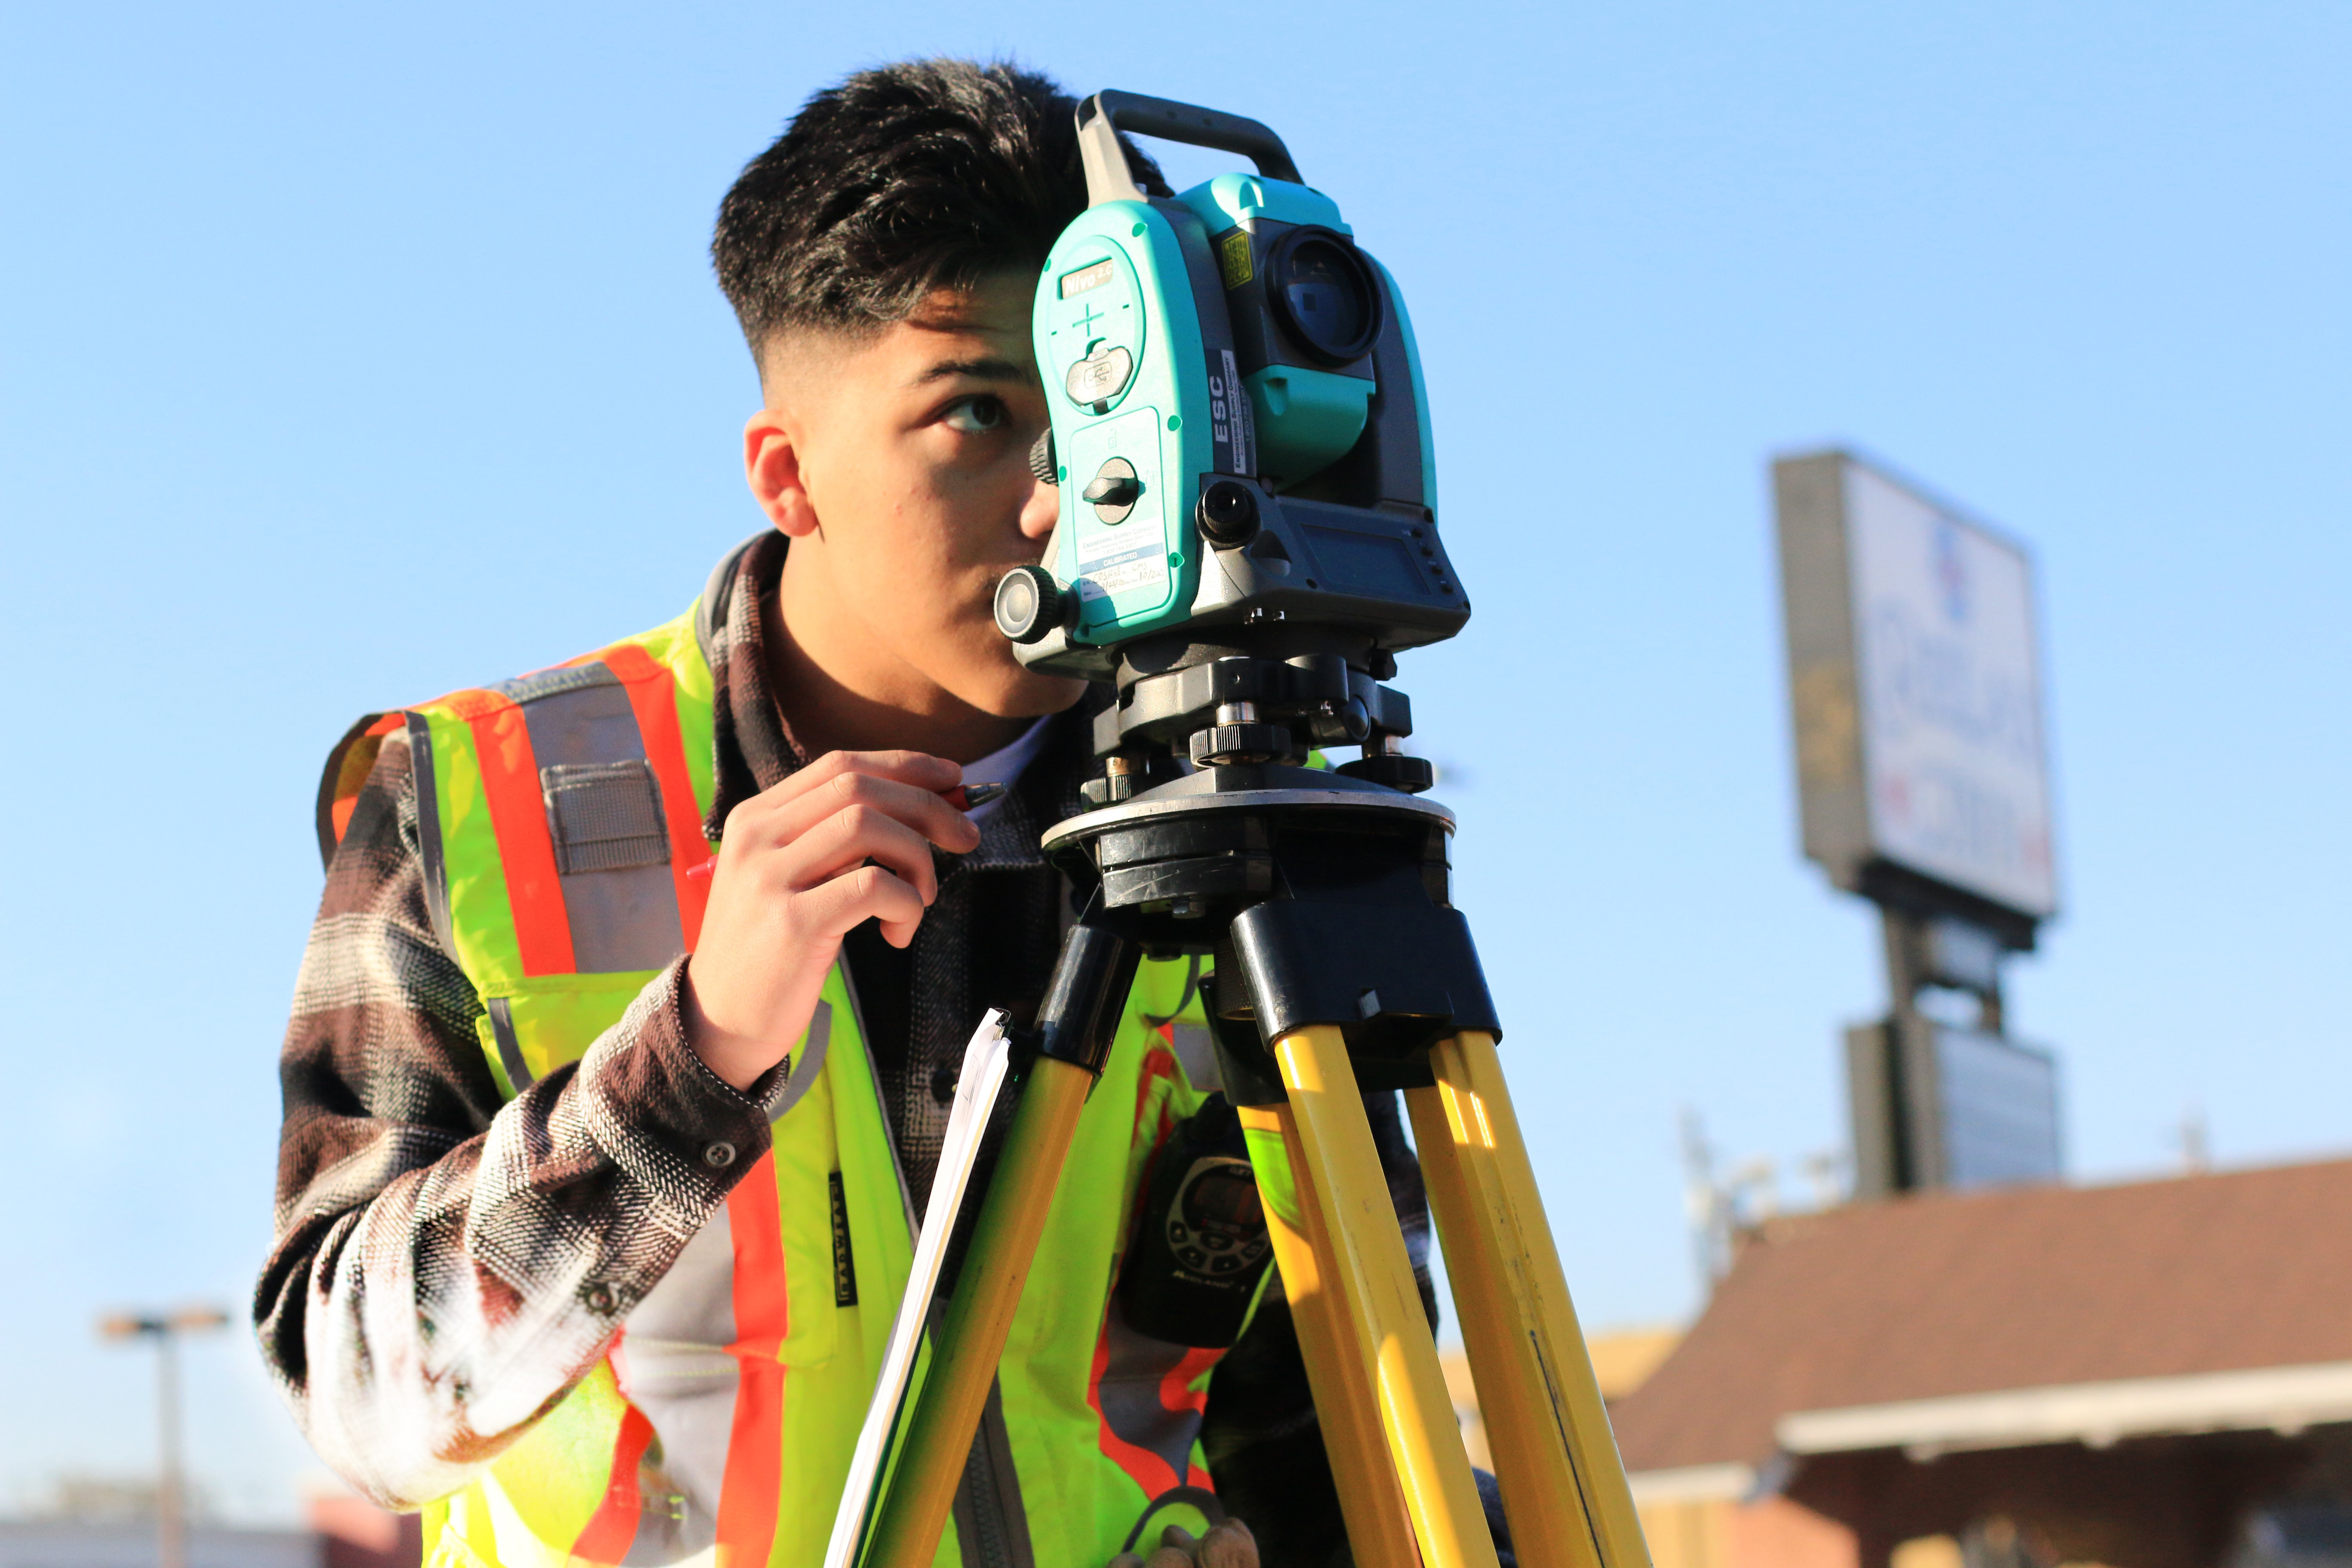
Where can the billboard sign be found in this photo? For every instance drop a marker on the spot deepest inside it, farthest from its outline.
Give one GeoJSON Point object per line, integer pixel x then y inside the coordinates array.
{"type": "Point", "coordinates": [1915, 676]}
{"type": "Point", "coordinates": [1998, 1109]}
{"type": "Point", "coordinates": [1939, 1106]}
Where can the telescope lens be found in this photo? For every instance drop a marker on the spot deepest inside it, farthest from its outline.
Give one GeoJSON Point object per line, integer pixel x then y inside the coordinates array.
{"type": "Point", "coordinates": [1326, 295]}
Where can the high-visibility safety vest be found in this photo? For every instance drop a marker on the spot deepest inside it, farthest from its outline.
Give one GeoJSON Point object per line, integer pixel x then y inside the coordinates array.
{"type": "Point", "coordinates": [560, 815]}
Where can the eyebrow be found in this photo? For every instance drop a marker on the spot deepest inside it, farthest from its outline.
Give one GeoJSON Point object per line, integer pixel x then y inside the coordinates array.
{"type": "Point", "coordinates": [987, 368]}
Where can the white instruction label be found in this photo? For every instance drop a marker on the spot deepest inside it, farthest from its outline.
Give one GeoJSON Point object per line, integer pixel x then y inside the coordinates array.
{"type": "Point", "coordinates": [1235, 422]}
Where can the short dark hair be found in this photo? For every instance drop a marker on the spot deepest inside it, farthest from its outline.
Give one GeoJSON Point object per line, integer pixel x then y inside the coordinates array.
{"type": "Point", "coordinates": [901, 180]}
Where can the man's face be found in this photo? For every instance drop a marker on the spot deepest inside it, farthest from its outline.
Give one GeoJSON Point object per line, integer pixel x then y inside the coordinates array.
{"type": "Point", "coordinates": [912, 498]}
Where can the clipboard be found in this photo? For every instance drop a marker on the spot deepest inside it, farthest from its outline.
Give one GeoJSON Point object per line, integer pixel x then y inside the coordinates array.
{"type": "Point", "coordinates": [986, 1061]}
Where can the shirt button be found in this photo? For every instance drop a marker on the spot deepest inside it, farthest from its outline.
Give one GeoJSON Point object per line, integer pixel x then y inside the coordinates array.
{"type": "Point", "coordinates": [599, 1298]}
{"type": "Point", "coordinates": [719, 1156]}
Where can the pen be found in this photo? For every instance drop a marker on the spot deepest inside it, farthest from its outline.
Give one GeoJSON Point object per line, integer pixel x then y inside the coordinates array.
{"type": "Point", "coordinates": [964, 797]}
{"type": "Point", "coordinates": [973, 797]}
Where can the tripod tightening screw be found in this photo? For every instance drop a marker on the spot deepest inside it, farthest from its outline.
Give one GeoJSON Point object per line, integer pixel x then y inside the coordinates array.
{"type": "Point", "coordinates": [1222, 746]}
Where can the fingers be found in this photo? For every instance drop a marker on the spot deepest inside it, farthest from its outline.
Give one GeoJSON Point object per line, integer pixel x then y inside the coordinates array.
{"type": "Point", "coordinates": [850, 838]}
{"type": "Point", "coordinates": [918, 771]}
{"type": "Point", "coordinates": [867, 893]}
{"type": "Point", "coordinates": [1177, 1549]}
{"type": "Point", "coordinates": [900, 784]}
{"type": "Point", "coordinates": [1229, 1545]}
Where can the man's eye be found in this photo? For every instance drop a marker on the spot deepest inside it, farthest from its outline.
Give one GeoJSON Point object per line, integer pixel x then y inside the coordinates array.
{"type": "Point", "coordinates": [976, 416]}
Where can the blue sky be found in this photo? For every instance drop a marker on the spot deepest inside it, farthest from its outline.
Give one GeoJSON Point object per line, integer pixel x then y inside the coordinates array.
{"type": "Point", "coordinates": [351, 354]}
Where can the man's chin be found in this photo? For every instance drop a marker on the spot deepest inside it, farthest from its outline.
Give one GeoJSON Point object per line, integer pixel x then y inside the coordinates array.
{"type": "Point", "coordinates": [1032, 696]}
{"type": "Point", "coordinates": [995, 682]}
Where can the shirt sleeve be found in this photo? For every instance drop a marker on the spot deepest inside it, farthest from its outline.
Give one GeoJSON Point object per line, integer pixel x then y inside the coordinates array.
{"type": "Point", "coordinates": [447, 1267]}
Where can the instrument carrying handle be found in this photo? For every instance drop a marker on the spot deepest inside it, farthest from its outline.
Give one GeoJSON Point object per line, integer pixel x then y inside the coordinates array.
{"type": "Point", "coordinates": [1109, 112]}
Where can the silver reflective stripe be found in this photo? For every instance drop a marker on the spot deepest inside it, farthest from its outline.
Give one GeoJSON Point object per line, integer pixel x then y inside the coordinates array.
{"type": "Point", "coordinates": [601, 798]}
{"type": "Point", "coordinates": [681, 1370]}
{"type": "Point", "coordinates": [803, 1077]}
{"type": "Point", "coordinates": [1198, 1052]}
{"type": "Point", "coordinates": [502, 1030]}
{"type": "Point", "coordinates": [428, 831]}
{"type": "Point", "coordinates": [874, 1074]}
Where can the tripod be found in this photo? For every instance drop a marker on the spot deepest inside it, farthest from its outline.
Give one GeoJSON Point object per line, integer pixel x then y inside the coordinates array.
{"type": "Point", "coordinates": [1339, 966]}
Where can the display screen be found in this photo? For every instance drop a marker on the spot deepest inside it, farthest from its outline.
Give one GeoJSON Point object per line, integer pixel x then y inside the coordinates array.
{"type": "Point", "coordinates": [1366, 562]}
{"type": "Point", "coordinates": [1085, 277]}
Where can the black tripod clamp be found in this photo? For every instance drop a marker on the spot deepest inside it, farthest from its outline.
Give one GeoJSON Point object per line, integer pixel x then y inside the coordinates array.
{"type": "Point", "coordinates": [1317, 900]}
{"type": "Point", "coordinates": [1078, 1019]}
{"type": "Point", "coordinates": [1394, 976]}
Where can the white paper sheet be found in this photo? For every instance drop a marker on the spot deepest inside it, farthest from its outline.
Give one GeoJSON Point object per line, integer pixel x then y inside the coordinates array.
{"type": "Point", "coordinates": [984, 1062]}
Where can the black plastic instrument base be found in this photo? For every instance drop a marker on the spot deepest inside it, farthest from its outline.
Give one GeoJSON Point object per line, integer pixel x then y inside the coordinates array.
{"type": "Point", "coordinates": [1321, 900]}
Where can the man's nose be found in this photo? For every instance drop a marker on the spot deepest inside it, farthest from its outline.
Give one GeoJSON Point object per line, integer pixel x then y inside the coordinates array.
{"type": "Point", "coordinates": [1041, 510]}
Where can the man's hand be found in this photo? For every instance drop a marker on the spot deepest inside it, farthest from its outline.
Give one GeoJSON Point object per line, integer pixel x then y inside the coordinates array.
{"type": "Point", "coordinates": [1229, 1545]}
{"type": "Point", "coordinates": [847, 838]}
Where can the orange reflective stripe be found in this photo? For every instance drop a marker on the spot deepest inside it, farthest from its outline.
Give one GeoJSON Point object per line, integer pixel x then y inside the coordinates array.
{"type": "Point", "coordinates": [609, 1530]}
{"type": "Point", "coordinates": [518, 817]}
{"type": "Point", "coordinates": [1144, 1468]}
{"type": "Point", "coordinates": [750, 1493]}
{"type": "Point", "coordinates": [652, 697]}
{"type": "Point", "coordinates": [1148, 1468]}
{"type": "Point", "coordinates": [351, 766]}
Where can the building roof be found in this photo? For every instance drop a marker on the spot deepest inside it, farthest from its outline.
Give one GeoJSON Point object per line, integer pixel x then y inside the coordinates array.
{"type": "Point", "coordinates": [2132, 1308]}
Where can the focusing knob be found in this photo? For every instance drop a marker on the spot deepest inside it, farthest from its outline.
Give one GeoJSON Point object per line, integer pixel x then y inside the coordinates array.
{"type": "Point", "coordinates": [1029, 603]}
{"type": "Point", "coordinates": [1042, 461]}
{"type": "Point", "coordinates": [1228, 512]}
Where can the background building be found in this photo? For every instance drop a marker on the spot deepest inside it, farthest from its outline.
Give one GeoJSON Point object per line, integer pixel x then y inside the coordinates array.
{"type": "Point", "coordinates": [2154, 1374]}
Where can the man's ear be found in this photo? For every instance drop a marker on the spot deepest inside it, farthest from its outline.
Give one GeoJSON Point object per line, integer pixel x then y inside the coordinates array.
{"type": "Point", "coordinates": [771, 466]}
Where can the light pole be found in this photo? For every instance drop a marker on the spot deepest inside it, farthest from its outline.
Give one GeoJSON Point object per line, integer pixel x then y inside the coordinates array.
{"type": "Point", "coordinates": [165, 1329]}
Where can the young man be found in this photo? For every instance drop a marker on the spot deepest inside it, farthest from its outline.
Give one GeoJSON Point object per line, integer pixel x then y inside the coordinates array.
{"type": "Point", "coordinates": [590, 1249]}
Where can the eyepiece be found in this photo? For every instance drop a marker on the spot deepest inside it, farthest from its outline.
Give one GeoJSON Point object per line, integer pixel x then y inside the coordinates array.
{"type": "Point", "coordinates": [1228, 512]}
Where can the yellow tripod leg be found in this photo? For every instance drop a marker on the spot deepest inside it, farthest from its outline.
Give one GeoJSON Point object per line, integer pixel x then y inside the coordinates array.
{"type": "Point", "coordinates": [1377, 1301]}
{"type": "Point", "coordinates": [1346, 1399]}
{"type": "Point", "coordinates": [969, 1343]}
{"type": "Point", "coordinates": [1563, 1483]}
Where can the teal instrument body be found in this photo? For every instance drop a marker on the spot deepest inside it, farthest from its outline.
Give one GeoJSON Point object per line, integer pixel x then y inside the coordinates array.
{"type": "Point", "coordinates": [1238, 428]}
{"type": "Point", "coordinates": [1123, 372]}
